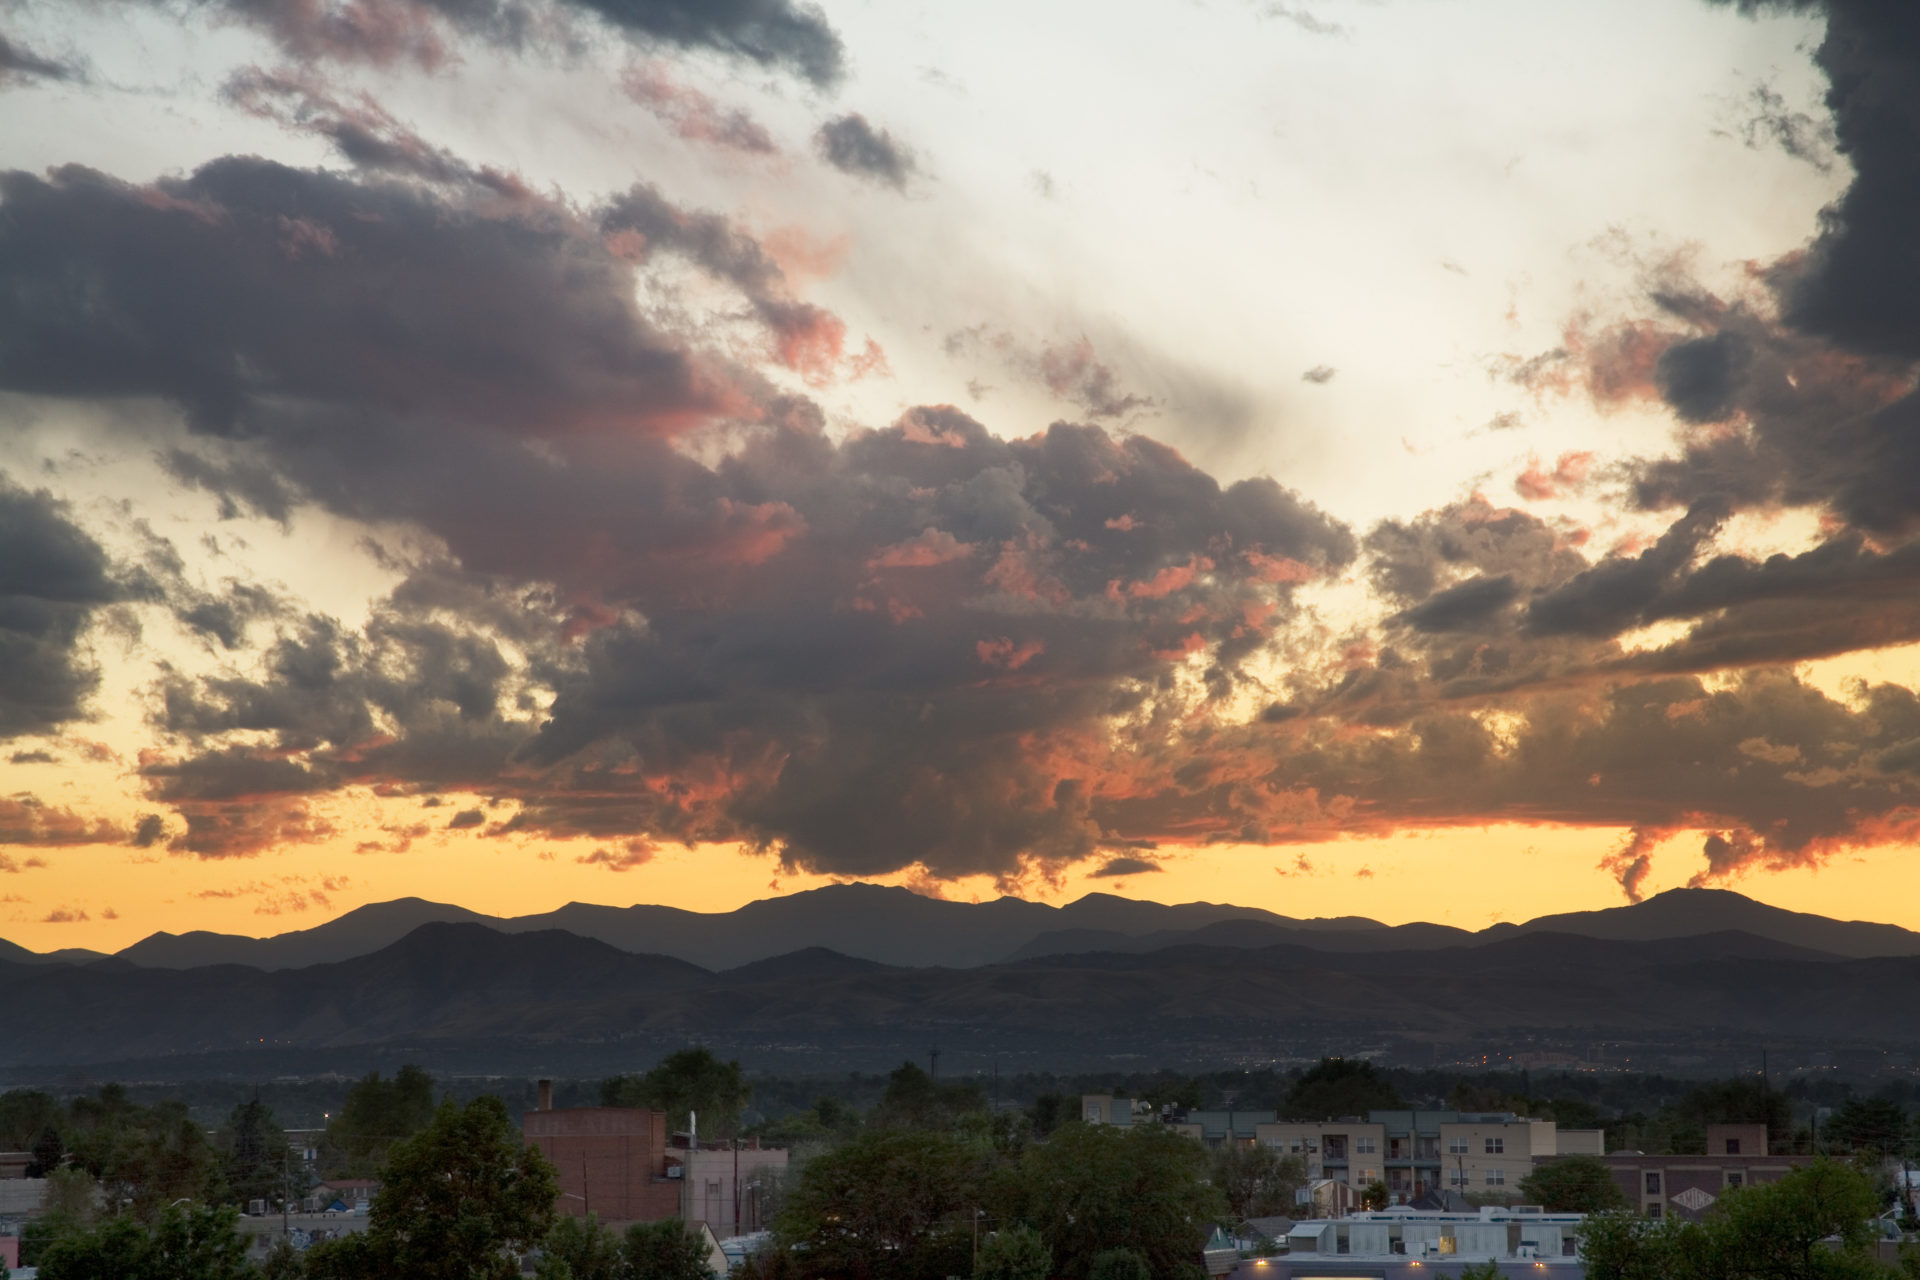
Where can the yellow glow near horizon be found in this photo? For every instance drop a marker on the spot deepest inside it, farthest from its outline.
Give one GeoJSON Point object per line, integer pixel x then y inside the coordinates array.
{"type": "Point", "coordinates": [1467, 877]}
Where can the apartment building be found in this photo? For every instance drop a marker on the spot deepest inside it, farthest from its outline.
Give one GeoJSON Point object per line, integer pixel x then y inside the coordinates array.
{"type": "Point", "coordinates": [1352, 1151]}
{"type": "Point", "coordinates": [1414, 1152]}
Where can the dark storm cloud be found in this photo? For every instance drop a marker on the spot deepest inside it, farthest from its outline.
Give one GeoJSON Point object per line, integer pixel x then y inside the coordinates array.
{"type": "Point", "coordinates": [1124, 867]}
{"type": "Point", "coordinates": [20, 65]}
{"type": "Point", "coordinates": [53, 576]}
{"type": "Point", "coordinates": [1700, 378]}
{"type": "Point", "coordinates": [260, 297]}
{"type": "Point", "coordinates": [1615, 594]}
{"type": "Point", "coordinates": [851, 145]}
{"type": "Point", "coordinates": [774, 34]}
{"type": "Point", "coordinates": [1465, 606]}
{"type": "Point", "coordinates": [1861, 287]}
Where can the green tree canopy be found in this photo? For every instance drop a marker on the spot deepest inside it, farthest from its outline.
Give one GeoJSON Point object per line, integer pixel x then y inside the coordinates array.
{"type": "Point", "coordinates": [376, 1115]}
{"type": "Point", "coordinates": [1118, 1264]}
{"type": "Point", "coordinates": [893, 1204]}
{"type": "Point", "coordinates": [691, 1080]}
{"type": "Point", "coordinates": [581, 1249]}
{"type": "Point", "coordinates": [1774, 1232]}
{"type": "Point", "coordinates": [1870, 1126]}
{"type": "Point", "coordinates": [915, 1100]}
{"type": "Point", "coordinates": [458, 1201]}
{"type": "Point", "coordinates": [1573, 1184]}
{"type": "Point", "coordinates": [254, 1155]}
{"type": "Point", "coordinates": [1258, 1181]}
{"type": "Point", "coordinates": [200, 1242]}
{"type": "Point", "coordinates": [667, 1250]}
{"type": "Point", "coordinates": [1097, 1187]}
{"type": "Point", "coordinates": [1340, 1087]}
{"type": "Point", "coordinates": [1013, 1253]}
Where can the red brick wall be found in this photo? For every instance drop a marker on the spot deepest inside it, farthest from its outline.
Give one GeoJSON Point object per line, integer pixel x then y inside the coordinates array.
{"type": "Point", "coordinates": [612, 1161]}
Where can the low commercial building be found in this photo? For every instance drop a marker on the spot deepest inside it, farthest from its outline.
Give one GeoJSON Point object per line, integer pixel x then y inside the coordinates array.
{"type": "Point", "coordinates": [1414, 1244]}
{"type": "Point", "coordinates": [1104, 1108]}
{"type": "Point", "coordinates": [730, 1187]}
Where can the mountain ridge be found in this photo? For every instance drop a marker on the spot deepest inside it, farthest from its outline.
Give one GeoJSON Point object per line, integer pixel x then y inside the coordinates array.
{"type": "Point", "coordinates": [465, 984]}
{"type": "Point", "coordinates": [894, 927]}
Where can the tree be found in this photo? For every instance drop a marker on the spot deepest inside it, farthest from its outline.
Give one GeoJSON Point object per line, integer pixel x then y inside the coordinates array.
{"type": "Point", "coordinates": [458, 1201]}
{"type": "Point", "coordinates": [1488, 1270]}
{"type": "Point", "coordinates": [1375, 1196]}
{"type": "Point", "coordinates": [890, 1205]}
{"type": "Point", "coordinates": [202, 1242]}
{"type": "Point", "coordinates": [1118, 1264]}
{"type": "Point", "coordinates": [1098, 1187]}
{"type": "Point", "coordinates": [915, 1100]}
{"type": "Point", "coordinates": [1621, 1245]}
{"type": "Point", "coordinates": [1775, 1232]}
{"type": "Point", "coordinates": [31, 1121]}
{"type": "Point", "coordinates": [1573, 1184]}
{"type": "Point", "coordinates": [692, 1080]}
{"type": "Point", "coordinates": [1048, 1112]}
{"type": "Point", "coordinates": [67, 1209]}
{"type": "Point", "coordinates": [1781, 1229]}
{"type": "Point", "coordinates": [254, 1154]}
{"type": "Point", "coordinates": [376, 1115]}
{"type": "Point", "coordinates": [1875, 1126]}
{"type": "Point", "coordinates": [1257, 1180]}
{"type": "Point", "coordinates": [668, 1250]}
{"type": "Point", "coordinates": [581, 1249]}
{"type": "Point", "coordinates": [1340, 1087]}
{"type": "Point", "coordinates": [1014, 1253]}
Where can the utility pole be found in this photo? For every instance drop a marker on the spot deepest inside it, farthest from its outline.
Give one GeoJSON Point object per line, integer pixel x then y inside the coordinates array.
{"type": "Point", "coordinates": [933, 1062]}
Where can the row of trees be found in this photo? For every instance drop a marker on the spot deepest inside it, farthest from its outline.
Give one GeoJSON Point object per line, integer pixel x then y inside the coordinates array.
{"type": "Point", "coordinates": [141, 1157]}
{"type": "Point", "coordinates": [463, 1199]}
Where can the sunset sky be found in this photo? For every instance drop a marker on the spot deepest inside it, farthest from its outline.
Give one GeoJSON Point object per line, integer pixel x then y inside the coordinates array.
{"type": "Point", "coordinates": [1425, 459]}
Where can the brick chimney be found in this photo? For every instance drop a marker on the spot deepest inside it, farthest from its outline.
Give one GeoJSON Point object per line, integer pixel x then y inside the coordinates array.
{"type": "Point", "coordinates": [546, 1096]}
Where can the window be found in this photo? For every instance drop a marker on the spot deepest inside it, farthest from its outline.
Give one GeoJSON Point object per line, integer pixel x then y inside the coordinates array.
{"type": "Point", "coordinates": [1653, 1210]}
{"type": "Point", "coordinates": [1496, 1177]}
{"type": "Point", "coordinates": [1735, 1178]}
{"type": "Point", "coordinates": [1365, 1146]}
{"type": "Point", "coordinates": [1733, 1146]}
{"type": "Point", "coordinates": [1496, 1146]}
{"type": "Point", "coordinates": [1457, 1177]}
{"type": "Point", "coordinates": [1653, 1184]}
{"type": "Point", "coordinates": [1456, 1146]}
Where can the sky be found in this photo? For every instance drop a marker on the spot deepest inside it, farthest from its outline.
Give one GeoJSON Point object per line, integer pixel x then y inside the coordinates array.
{"type": "Point", "coordinates": [1424, 459]}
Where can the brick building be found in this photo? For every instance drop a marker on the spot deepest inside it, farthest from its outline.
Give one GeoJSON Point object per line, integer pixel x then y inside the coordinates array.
{"type": "Point", "coordinates": [622, 1164]}
{"type": "Point", "coordinates": [1687, 1186]}
{"type": "Point", "coordinates": [612, 1161]}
